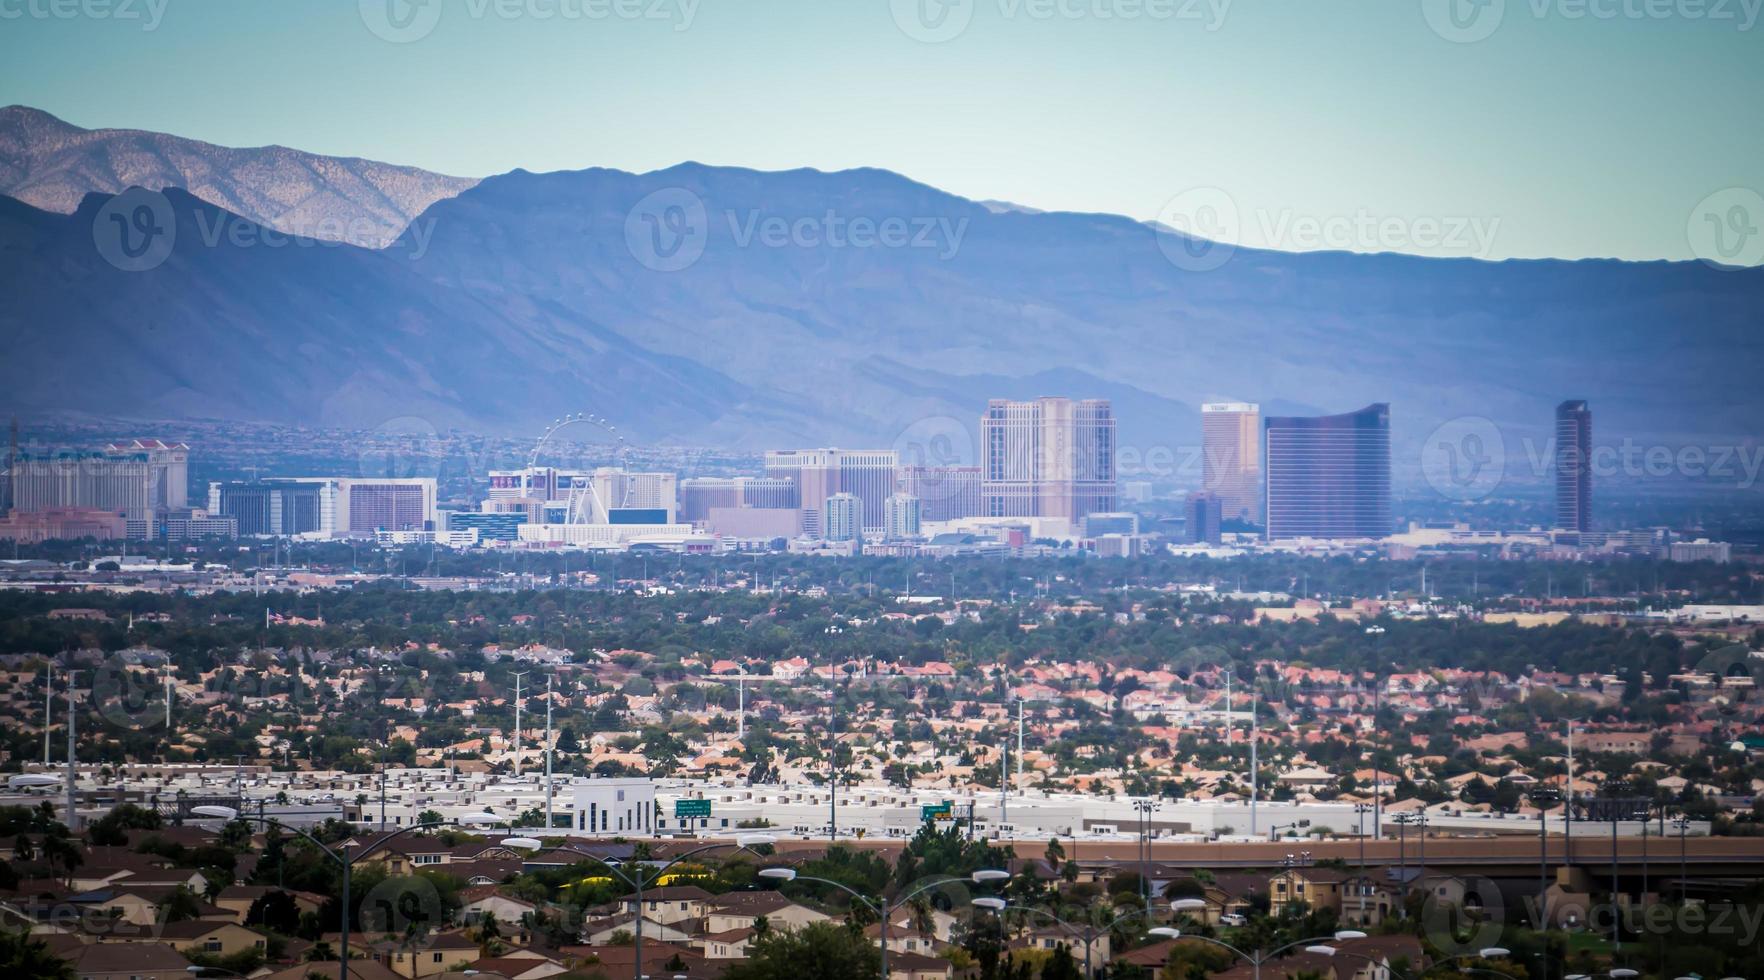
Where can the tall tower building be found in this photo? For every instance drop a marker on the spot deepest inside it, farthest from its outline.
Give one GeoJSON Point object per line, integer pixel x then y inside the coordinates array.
{"type": "Point", "coordinates": [1051, 457]}
{"type": "Point", "coordinates": [903, 517]}
{"type": "Point", "coordinates": [842, 512]}
{"type": "Point", "coordinates": [1231, 457]}
{"type": "Point", "coordinates": [1574, 466]}
{"type": "Point", "coordinates": [1328, 476]}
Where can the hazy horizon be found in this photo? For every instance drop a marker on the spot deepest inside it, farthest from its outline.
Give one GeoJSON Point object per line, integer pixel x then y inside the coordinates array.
{"type": "Point", "coordinates": [1530, 130]}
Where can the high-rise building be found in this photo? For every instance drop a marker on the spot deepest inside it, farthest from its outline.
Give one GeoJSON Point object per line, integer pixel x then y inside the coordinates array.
{"type": "Point", "coordinates": [817, 474]}
{"type": "Point", "coordinates": [1203, 513]}
{"type": "Point", "coordinates": [168, 466]}
{"type": "Point", "coordinates": [902, 517]}
{"type": "Point", "coordinates": [1574, 466]}
{"type": "Point", "coordinates": [946, 493]}
{"type": "Point", "coordinates": [842, 513]}
{"type": "Point", "coordinates": [272, 506]}
{"type": "Point", "coordinates": [118, 483]}
{"type": "Point", "coordinates": [385, 504]}
{"type": "Point", "coordinates": [1051, 457]}
{"type": "Point", "coordinates": [1231, 457]}
{"type": "Point", "coordinates": [1328, 476]}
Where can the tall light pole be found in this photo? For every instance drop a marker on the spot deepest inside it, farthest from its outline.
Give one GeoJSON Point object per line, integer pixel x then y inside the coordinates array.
{"type": "Point", "coordinates": [73, 819]}
{"type": "Point", "coordinates": [48, 710]}
{"type": "Point", "coordinates": [639, 880]}
{"type": "Point", "coordinates": [517, 727]}
{"type": "Point", "coordinates": [1259, 957]}
{"type": "Point", "coordinates": [548, 783]}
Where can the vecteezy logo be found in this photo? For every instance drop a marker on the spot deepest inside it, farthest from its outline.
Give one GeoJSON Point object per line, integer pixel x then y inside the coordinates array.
{"type": "Point", "coordinates": [1465, 458]}
{"type": "Point", "coordinates": [1724, 228]}
{"type": "Point", "coordinates": [667, 230]}
{"type": "Point", "coordinates": [1199, 230]}
{"type": "Point", "coordinates": [126, 699]}
{"type": "Point", "coordinates": [939, 441]}
{"type": "Point", "coordinates": [135, 230]}
{"type": "Point", "coordinates": [406, 910]}
{"type": "Point", "coordinates": [1463, 915]}
{"type": "Point", "coordinates": [401, 448]}
{"type": "Point", "coordinates": [400, 21]}
{"type": "Point", "coordinates": [1464, 21]}
{"type": "Point", "coordinates": [932, 21]}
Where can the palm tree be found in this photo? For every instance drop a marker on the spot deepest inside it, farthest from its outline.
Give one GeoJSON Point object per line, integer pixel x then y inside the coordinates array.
{"type": "Point", "coordinates": [23, 956]}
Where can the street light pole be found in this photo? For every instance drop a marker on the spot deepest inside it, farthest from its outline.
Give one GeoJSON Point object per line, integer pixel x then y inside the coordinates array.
{"type": "Point", "coordinates": [881, 906]}
{"type": "Point", "coordinates": [347, 863]}
{"type": "Point", "coordinates": [637, 882]}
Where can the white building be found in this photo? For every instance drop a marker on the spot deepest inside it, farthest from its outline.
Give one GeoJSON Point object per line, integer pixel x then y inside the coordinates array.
{"type": "Point", "coordinates": [843, 512]}
{"type": "Point", "coordinates": [901, 516]}
{"type": "Point", "coordinates": [615, 807]}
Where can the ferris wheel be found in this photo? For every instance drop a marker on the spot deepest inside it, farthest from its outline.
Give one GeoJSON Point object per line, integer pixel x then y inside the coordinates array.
{"type": "Point", "coordinates": [585, 505]}
{"type": "Point", "coordinates": [580, 418]}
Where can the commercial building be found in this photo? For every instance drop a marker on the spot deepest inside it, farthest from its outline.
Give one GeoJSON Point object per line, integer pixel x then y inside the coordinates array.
{"type": "Point", "coordinates": [1115, 522]}
{"type": "Point", "coordinates": [615, 807]}
{"type": "Point", "coordinates": [699, 496]}
{"type": "Point", "coordinates": [818, 474]}
{"type": "Point", "coordinates": [1573, 466]}
{"type": "Point", "coordinates": [842, 513]}
{"type": "Point", "coordinates": [1328, 476]}
{"type": "Point", "coordinates": [115, 483]}
{"type": "Point", "coordinates": [1702, 549]}
{"type": "Point", "coordinates": [1203, 515]}
{"type": "Point", "coordinates": [902, 517]}
{"type": "Point", "coordinates": [945, 493]}
{"type": "Point", "coordinates": [491, 525]}
{"type": "Point", "coordinates": [274, 506]}
{"type": "Point", "coordinates": [1051, 457]}
{"type": "Point", "coordinates": [1231, 457]}
{"type": "Point", "coordinates": [62, 524]}
{"type": "Point", "coordinates": [168, 470]}
{"type": "Point", "coordinates": [366, 506]}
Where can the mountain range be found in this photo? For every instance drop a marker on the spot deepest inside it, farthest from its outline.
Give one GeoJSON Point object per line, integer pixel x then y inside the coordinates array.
{"type": "Point", "coordinates": [52, 164]}
{"type": "Point", "coordinates": [723, 306]}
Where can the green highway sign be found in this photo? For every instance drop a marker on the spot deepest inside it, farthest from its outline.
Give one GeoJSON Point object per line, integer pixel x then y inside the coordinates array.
{"type": "Point", "coordinates": [936, 811]}
{"type": "Point", "coordinates": [691, 808]}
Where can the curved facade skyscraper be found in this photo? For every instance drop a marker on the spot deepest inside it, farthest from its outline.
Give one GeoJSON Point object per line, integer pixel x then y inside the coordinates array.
{"type": "Point", "coordinates": [1328, 476]}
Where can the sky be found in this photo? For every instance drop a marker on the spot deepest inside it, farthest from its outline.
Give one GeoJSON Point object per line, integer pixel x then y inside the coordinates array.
{"type": "Point", "coordinates": [1490, 128]}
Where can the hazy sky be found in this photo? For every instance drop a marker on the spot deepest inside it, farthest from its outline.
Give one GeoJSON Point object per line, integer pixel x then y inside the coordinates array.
{"type": "Point", "coordinates": [1515, 128]}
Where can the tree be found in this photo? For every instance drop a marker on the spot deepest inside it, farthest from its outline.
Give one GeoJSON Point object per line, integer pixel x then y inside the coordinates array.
{"type": "Point", "coordinates": [111, 830]}
{"type": "Point", "coordinates": [824, 950]}
{"type": "Point", "coordinates": [24, 956]}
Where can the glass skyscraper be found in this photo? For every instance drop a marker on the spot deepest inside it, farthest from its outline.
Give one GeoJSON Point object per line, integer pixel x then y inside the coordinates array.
{"type": "Point", "coordinates": [1328, 476]}
{"type": "Point", "coordinates": [1574, 466]}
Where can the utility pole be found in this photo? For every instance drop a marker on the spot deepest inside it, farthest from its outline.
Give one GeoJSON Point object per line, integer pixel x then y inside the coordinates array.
{"type": "Point", "coordinates": [1253, 774]}
{"type": "Point", "coordinates": [1019, 741]}
{"type": "Point", "coordinates": [833, 771]}
{"type": "Point", "coordinates": [1004, 787]}
{"type": "Point", "coordinates": [548, 784]}
{"type": "Point", "coordinates": [48, 710]}
{"type": "Point", "coordinates": [73, 822]}
{"type": "Point", "coordinates": [517, 727]}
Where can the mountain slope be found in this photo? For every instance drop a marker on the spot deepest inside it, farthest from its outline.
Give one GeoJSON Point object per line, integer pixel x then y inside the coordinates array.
{"type": "Point", "coordinates": [312, 332]}
{"type": "Point", "coordinates": [1667, 351]}
{"type": "Point", "coordinates": [531, 295]}
{"type": "Point", "coordinates": [53, 165]}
